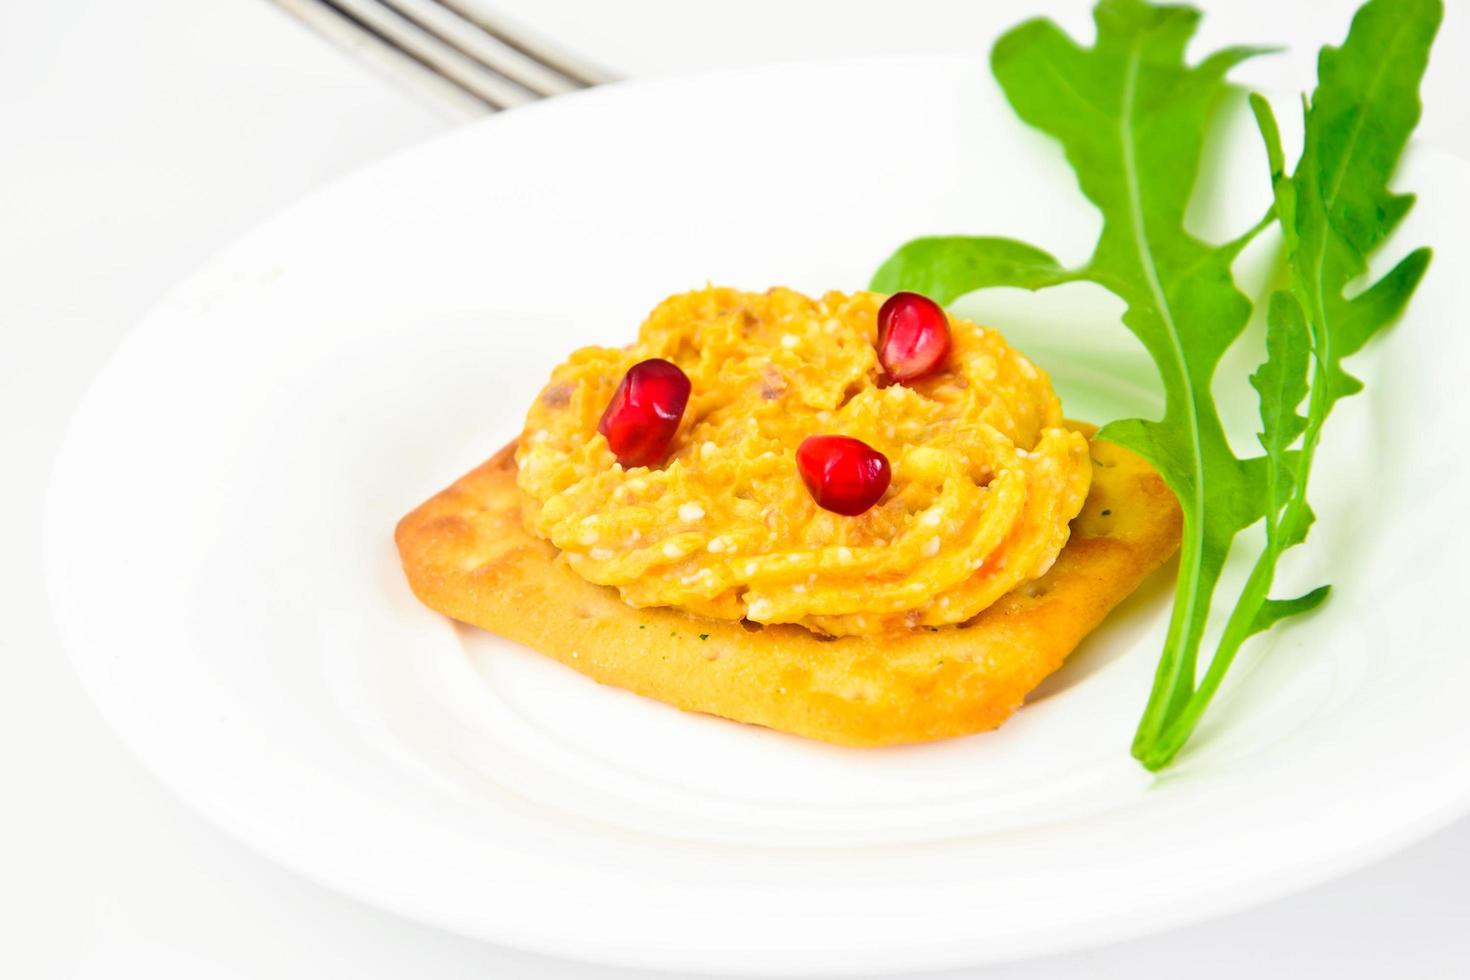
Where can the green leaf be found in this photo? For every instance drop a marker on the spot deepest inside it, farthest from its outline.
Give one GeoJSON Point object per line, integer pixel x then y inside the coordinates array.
{"type": "Point", "coordinates": [944, 269]}
{"type": "Point", "coordinates": [1131, 114]}
{"type": "Point", "coordinates": [1283, 191]}
{"type": "Point", "coordinates": [1131, 117]}
{"type": "Point", "coordinates": [1295, 523]}
{"type": "Point", "coordinates": [1357, 124]}
{"type": "Point", "coordinates": [1270, 134]}
{"type": "Point", "coordinates": [1281, 383]}
{"type": "Point", "coordinates": [1273, 611]}
{"type": "Point", "coordinates": [1380, 304]}
{"type": "Point", "coordinates": [1334, 210]}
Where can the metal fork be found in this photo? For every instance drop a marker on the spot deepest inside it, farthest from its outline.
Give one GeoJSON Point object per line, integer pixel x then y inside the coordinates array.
{"type": "Point", "coordinates": [469, 61]}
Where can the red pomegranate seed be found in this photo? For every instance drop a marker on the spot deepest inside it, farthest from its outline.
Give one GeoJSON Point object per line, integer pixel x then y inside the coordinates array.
{"type": "Point", "coordinates": [643, 415]}
{"type": "Point", "coordinates": [913, 336]}
{"type": "Point", "coordinates": [844, 475]}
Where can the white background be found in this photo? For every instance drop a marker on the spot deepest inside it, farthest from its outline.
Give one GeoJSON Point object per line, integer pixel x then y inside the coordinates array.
{"type": "Point", "coordinates": [135, 138]}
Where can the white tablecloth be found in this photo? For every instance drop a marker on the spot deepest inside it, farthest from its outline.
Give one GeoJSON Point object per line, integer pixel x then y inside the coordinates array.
{"type": "Point", "coordinates": [137, 137]}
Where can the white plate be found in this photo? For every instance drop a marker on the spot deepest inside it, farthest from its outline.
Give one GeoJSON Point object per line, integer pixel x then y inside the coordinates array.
{"type": "Point", "coordinates": [219, 555]}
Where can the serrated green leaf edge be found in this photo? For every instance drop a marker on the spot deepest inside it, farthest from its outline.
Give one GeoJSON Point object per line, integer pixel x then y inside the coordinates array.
{"type": "Point", "coordinates": [1138, 43]}
{"type": "Point", "coordinates": [1334, 210]}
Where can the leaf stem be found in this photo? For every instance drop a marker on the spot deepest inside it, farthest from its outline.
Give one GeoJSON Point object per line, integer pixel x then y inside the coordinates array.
{"type": "Point", "coordinates": [1160, 751]}
{"type": "Point", "coordinates": [1165, 697]}
{"type": "Point", "coordinates": [1175, 677]}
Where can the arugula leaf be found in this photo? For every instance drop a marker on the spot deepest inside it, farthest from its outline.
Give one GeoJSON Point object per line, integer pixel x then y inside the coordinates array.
{"type": "Point", "coordinates": [1272, 610]}
{"type": "Point", "coordinates": [944, 269]}
{"type": "Point", "coordinates": [1282, 385]}
{"type": "Point", "coordinates": [1334, 210]}
{"type": "Point", "coordinates": [1131, 116]}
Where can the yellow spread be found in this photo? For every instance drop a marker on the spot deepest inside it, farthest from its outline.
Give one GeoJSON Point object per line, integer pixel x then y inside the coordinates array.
{"type": "Point", "coordinates": [985, 475]}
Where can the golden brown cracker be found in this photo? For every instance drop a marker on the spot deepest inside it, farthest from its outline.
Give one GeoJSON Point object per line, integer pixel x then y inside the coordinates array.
{"type": "Point", "coordinates": [467, 555]}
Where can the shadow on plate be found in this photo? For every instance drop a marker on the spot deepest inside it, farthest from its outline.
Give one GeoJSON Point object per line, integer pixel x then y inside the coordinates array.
{"type": "Point", "coordinates": [1127, 626]}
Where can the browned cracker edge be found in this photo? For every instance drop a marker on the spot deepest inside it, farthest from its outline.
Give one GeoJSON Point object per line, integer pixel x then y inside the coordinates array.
{"type": "Point", "coordinates": [467, 555]}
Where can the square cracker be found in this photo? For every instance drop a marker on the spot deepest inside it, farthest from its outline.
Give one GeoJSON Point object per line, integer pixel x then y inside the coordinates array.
{"type": "Point", "coordinates": [467, 555]}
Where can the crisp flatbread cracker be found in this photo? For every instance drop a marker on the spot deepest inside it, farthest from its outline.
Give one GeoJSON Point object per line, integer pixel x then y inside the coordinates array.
{"type": "Point", "coordinates": [468, 556]}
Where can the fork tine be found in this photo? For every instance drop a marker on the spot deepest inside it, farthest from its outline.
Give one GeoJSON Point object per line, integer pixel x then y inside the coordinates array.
{"type": "Point", "coordinates": [511, 60]}
{"type": "Point", "coordinates": [480, 79]}
{"type": "Point", "coordinates": [568, 65]}
{"type": "Point", "coordinates": [453, 48]}
{"type": "Point", "coordinates": [364, 42]}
